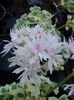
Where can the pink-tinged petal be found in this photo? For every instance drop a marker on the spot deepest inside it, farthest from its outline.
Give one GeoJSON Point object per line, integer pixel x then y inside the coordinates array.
{"type": "Point", "coordinates": [38, 47]}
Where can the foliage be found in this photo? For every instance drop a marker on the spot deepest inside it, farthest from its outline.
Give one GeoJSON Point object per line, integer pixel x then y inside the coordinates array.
{"type": "Point", "coordinates": [28, 91]}
{"type": "Point", "coordinates": [37, 16]}
{"type": "Point", "coordinates": [69, 5]}
{"type": "Point", "coordinates": [70, 23]}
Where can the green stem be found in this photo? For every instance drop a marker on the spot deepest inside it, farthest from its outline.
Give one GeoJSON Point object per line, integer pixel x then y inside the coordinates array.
{"type": "Point", "coordinates": [61, 27]}
{"type": "Point", "coordinates": [66, 79]}
{"type": "Point", "coordinates": [61, 83]}
{"type": "Point", "coordinates": [70, 24]}
{"type": "Point", "coordinates": [68, 4]}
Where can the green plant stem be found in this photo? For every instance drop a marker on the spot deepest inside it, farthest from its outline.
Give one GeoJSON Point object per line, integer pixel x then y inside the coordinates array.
{"type": "Point", "coordinates": [70, 24]}
{"type": "Point", "coordinates": [69, 4]}
{"type": "Point", "coordinates": [61, 27]}
{"type": "Point", "coordinates": [61, 83]}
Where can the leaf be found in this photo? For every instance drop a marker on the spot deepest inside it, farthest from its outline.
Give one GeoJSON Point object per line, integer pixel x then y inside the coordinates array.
{"type": "Point", "coordinates": [64, 97]}
{"type": "Point", "coordinates": [37, 16]}
{"type": "Point", "coordinates": [69, 5]}
{"type": "Point", "coordinates": [65, 53]}
{"type": "Point", "coordinates": [70, 24]}
{"type": "Point", "coordinates": [56, 91]}
{"type": "Point", "coordinates": [32, 89]}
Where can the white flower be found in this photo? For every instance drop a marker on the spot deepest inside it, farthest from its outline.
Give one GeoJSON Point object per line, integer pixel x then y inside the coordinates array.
{"type": "Point", "coordinates": [32, 45]}
{"type": "Point", "coordinates": [70, 46]}
{"type": "Point", "coordinates": [71, 89]}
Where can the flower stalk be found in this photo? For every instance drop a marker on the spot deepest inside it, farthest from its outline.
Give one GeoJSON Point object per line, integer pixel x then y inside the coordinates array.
{"type": "Point", "coordinates": [61, 83]}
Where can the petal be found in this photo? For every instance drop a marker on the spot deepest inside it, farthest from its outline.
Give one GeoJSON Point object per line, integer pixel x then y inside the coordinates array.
{"type": "Point", "coordinates": [70, 93]}
{"type": "Point", "coordinates": [67, 87]}
{"type": "Point", "coordinates": [18, 70]}
{"type": "Point", "coordinates": [50, 67]}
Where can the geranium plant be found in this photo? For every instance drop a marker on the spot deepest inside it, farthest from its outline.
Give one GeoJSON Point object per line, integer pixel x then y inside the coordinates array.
{"type": "Point", "coordinates": [37, 47]}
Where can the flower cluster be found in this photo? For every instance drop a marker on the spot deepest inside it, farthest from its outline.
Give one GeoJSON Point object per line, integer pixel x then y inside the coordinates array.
{"type": "Point", "coordinates": [32, 45]}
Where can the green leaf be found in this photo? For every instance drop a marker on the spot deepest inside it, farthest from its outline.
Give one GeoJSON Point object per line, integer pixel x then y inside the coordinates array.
{"type": "Point", "coordinates": [37, 16]}
{"type": "Point", "coordinates": [32, 89]}
{"type": "Point", "coordinates": [69, 5]}
{"type": "Point", "coordinates": [64, 97]}
{"type": "Point", "coordinates": [56, 91]}
{"type": "Point", "coordinates": [65, 53]}
{"type": "Point", "coordinates": [70, 24]}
